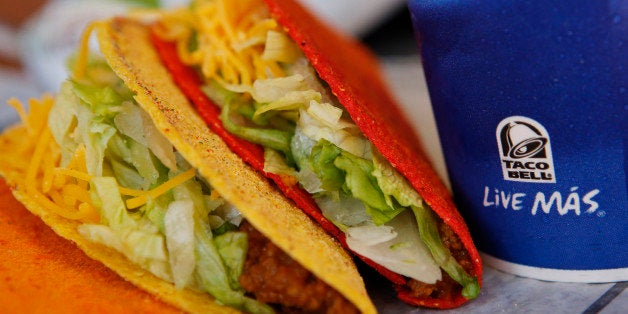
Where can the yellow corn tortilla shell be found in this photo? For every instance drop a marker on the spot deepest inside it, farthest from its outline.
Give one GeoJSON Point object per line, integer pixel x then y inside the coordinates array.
{"type": "Point", "coordinates": [187, 300]}
{"type": "Point", "coordinates": [127, 47]}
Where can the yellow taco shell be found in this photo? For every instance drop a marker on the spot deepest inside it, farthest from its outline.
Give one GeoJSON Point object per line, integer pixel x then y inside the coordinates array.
{"type": "Point", "coordinates": [126, 45]}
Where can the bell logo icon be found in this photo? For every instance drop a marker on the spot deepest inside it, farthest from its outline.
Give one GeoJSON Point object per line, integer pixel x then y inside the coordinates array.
{"type": "Point", "coordinates": [525, 151]}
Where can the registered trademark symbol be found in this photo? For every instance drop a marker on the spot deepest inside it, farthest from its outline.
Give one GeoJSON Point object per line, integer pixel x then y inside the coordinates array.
{"type": "Point", "coordinates": [601, 214]}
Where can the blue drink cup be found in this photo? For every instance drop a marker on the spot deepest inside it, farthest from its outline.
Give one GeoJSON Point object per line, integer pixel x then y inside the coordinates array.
{"type": "Point", "coordinates": [530, 103]}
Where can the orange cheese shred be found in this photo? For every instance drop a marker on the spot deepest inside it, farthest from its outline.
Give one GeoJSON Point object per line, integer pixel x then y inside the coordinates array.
{"type": "Point", "coordinates": [63, 190]}
{"type": "Point", "coordinates": [83, 52]}
{"type": "Point", "coordinates": [165, 187]}
{"type": "Point", "coordinates": [230, 35]}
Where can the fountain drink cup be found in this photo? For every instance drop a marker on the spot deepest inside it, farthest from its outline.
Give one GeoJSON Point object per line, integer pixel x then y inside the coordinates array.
{"type": "Point", "coordinates": [530, 103]}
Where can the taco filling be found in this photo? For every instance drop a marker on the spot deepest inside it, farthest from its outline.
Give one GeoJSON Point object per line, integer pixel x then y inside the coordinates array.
{"type": "Point", "coordinates": [267, 93]}
{"type": "Point", "coordinates": [92, 155]}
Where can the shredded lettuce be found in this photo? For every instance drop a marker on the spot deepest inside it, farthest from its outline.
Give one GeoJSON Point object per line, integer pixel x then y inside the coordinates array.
{"type": "Point", "coordinates": [65, 120]}
{"type": "Point", "coordinates": [136, 124]}
{"type": "Point", "coordinates": [397, 246]}
{"type": "Point", "coordinates": [133, 235]}
{"type": "Point", "coordinates": [155, 210]}
{"type": "Point", "coordinates": [343, 210]}
{"type": "Point", "coordinates": [289, 101]}
{"type": "Point", "coordinates": [211, 270]}
{"type": "Point", "coordinates": [273, 89]}
{"type": "Point", "coordinates": [179, 232]}
{"type": "Point", "coordinates": [393, 185]}
{"type": "Point", "coordinates": [171, 235]}
{"type": "Point", "coordinates": [339, 170]}
{"type": "Point", "coordinates": [94, 133]}
{"type": "Point", "coordinates": [398, 190]}
{"type": "Point", "coordinates": [134, 165]}
{"type": "Point", "coordinates": [321, 160]}
{"type": "Point", "coordinates": [276, 163]}
{"type": "Point", "coordinates": [442, 256]}
{"type": "Point", "coordinates": [217, 93]}
{"type": "Point", "coordinates": [301, 148]}
{"type": "Point", "coordinates": [280, 48]}
{"type": "Point", "coordinates": [317, 129]}
{"type": "Point", "coordinates": [104, 102]}
{"type": "Point", "coordinates": [355, 187]}
{"type": "Point", "coordinates": [363, 185]}
{"type": "Point", "coordinates": [218, 259]}
{"type": "Point", "coordinates": [213, 275]}
{"type": "Point", "coordinates": [232, 247]}
{"type": "Point", "coordinates": [276, 139]}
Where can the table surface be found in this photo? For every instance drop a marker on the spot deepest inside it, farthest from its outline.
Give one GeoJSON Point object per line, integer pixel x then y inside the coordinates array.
{"type": "Point", "coordinates": [501, 292]}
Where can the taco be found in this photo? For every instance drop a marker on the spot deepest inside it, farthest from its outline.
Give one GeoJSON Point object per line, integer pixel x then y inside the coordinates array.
{"type": "Point", "coordinates": [120, 164]}
{"type": "Point", "coordinates": [307, 107]}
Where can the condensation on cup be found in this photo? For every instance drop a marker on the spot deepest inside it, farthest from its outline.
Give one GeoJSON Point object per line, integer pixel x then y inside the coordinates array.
{"type": "Point", "coordinates": [530, 103]}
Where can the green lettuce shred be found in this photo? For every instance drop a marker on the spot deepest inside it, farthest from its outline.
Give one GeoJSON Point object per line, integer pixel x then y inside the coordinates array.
{"type": "Point", "coordinates": [272, 138]}
{"type": "Point", "coordinates": [442, 256]}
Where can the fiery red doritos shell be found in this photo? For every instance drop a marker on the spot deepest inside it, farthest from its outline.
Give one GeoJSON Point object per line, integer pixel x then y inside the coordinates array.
{"type": "Point", "coordinates": [353, 76]}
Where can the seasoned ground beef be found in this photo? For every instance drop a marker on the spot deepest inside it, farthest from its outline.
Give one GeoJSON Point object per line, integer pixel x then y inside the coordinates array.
{"type": "Point", "coordinates": [446, 288]}
{"type": "Point", "coordinates": [453, 243]}
{"type": "Point", "coordinates": [275, 278]}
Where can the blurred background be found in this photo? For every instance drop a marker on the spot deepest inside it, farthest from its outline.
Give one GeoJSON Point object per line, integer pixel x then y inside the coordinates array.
{"type": "Point", "coordinates": [36, 36]}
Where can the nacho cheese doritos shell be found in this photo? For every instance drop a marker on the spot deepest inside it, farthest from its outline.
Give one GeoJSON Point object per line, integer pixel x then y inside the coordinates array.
{"type": "Point", "coordinates": [234, 63]}
{"type": "Point", "coordinates": [44, 272]}
{"type": "Point", "coordinates": [138, 188]}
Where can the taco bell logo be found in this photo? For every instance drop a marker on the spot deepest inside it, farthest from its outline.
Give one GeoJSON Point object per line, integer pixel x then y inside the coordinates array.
{"type": "Point", "coordinates": [525, 151]}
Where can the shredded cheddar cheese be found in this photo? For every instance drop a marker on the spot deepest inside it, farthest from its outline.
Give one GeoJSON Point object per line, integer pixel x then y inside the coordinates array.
{"type": "Point", "coordinates": [165, 187]}
{"type": "Point", "coordinates": [32, 141]}
{"type": "Point", "coordinates": [17, 105]}
{"type": "Point", "coordinates": [229, 39]}
{"type": "Point", "coordinates": [83, 53]}
{"type": "Point", "coordinates": [63, 190]}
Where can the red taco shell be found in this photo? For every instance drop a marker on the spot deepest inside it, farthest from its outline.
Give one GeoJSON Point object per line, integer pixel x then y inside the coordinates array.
{"type": "Point", "coordinates": [353, 75]}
